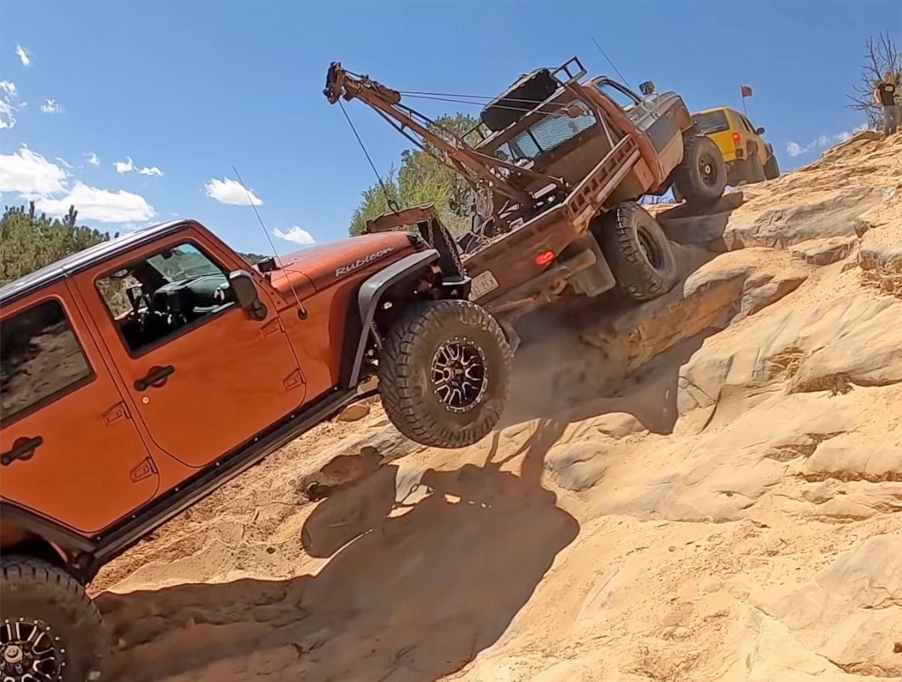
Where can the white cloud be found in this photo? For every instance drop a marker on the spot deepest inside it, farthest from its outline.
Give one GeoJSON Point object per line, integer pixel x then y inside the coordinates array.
{"type": "Point", "coordinates": [124, 166]}
{"type": "Point", "coordinates": [51, 106]}
{"type": "Point", "coordinates": [33, 177]}
{"type": "Point", "coordinates": [30, 174]}
{"type": "Point", "coordinates": [24, 55]}
{"type": "Point", "coordinates": [100, 205]}
{"type": "Point", "coordinates": [92, 159]}
{"type": "Point", "coordinates": [64, 162]}
{"type": "Point", "coordinates": [822, 141]}
{"type": "Point", "coordinates": [128, 166]}
{"type": "Point", "coordinates": [794, 149]}
{"type": "Point", "coordinates": [9, 103]}
{"type": "Point", "coordinates": [846, 135]}
{"type": "Point", "coordinates": [228, 191]}
{"type": "Point", "coordinates": [295, 234]}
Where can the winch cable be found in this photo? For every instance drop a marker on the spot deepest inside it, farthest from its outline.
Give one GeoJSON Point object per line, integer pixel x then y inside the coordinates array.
{"type": "Point", "coordinates": [454, 100]}
{"type": "Point", "coordinates": [482, 98]}
{"type": "Point", "coordinates": [392, 204]}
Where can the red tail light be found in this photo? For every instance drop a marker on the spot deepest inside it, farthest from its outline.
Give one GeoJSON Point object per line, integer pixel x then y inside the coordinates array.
{"type": "Point", "coordinates": [545, 258]}
{"type": "Point", "coordinates": [737, 139]}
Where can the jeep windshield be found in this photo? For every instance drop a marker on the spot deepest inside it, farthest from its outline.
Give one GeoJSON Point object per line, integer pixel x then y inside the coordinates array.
{"type": "Point", "coordinates": [711, 122]}
{"type": "Point", "coordinates": [547, 134]}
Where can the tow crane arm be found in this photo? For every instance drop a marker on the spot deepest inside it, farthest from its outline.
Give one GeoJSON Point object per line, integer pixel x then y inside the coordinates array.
{"type": "Point", "coordinates": [480, 170]}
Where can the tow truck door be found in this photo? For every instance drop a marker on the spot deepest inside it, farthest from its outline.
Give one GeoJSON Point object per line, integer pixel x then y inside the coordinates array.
{"type": "Point", "coordinates": [209, 386]}
{"type": "Point", "coordinates": [654, 116]}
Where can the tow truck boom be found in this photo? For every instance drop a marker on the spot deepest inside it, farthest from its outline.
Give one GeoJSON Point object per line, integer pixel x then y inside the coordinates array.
{"type": "Point", "coordinates": [482, 171]}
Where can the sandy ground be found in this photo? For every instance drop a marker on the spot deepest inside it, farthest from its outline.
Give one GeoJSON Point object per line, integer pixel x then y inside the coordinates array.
{"type": "Point", "coordinates": [707, 487]}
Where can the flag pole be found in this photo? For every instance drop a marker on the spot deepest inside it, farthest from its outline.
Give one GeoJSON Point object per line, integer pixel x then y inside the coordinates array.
{"type": "Point", "coordinates": [742, 97]}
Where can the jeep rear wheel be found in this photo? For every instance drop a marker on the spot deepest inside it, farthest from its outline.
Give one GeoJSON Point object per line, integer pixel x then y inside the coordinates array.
{"type": "Point", "coordinates": [50, 630]}
{"type": "Point", "coordinates": [638, 251]}
{"type": "Point", "coordinates": [702, 176]}
{"type": "Point", "coordinates": [444, 373]}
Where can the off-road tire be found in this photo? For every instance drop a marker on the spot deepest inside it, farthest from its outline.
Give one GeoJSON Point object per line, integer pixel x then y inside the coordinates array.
{"type": "Point", "coordinates": [34, 590]}
{"type": "Point", "coordinates": [406, 363]}
{"type": "Point", "coordinates": [772, 168]}
{"type": "Point", "coordinates": [638, 252]}
{"type": "Point", "coordinates": [756, 172]}
{"type": "Point", "coordinates": [691, 180]}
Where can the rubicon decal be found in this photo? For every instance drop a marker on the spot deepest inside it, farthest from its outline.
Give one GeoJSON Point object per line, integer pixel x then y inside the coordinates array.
{"type": "Point", "coordinates": [362, 262]}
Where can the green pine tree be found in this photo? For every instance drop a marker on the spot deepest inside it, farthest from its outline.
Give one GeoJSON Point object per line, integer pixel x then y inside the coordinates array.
{"type": "Point", "coordinates": [29, 241]}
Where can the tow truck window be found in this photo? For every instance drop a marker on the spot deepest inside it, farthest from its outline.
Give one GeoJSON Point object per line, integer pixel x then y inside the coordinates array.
{"type": "Point", "coordinates": [711, 122]}
{"type": "Point", "coordinates": [551, 132]}
{"type": "Point", "coordinates": [40, 359]}
{"type": "Point", "coordinates": [623, 98]}
{"type": "Point", "coordinates": [156, 298]}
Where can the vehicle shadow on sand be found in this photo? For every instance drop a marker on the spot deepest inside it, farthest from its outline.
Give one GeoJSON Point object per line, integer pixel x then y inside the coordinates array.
{"type": "Point", "coordinates": [415, 587]}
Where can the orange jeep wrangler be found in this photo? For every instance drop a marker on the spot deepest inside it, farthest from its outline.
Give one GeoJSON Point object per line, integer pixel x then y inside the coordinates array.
{"type": "Point", "coordinates": [143, 373]}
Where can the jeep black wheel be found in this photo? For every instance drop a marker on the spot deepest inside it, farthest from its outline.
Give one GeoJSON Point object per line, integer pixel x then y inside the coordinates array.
{"type": "Point", "coordinates": [638, 251]}
{"type": "Point", "coordinates": [772, 168]}
{"type": "Point", "coordinates": [444, 373]}
{"type": "Point", "coordinates": [50, 630]}
{"type": "Point", "coordinates": [702, 176]}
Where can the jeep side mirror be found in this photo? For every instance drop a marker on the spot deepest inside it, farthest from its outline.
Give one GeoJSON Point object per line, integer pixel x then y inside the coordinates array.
{"type": "Point", "coordinates": [647, 88]}
{"type": "Point", "coordinates": [759, 131]}
{"type": "Point", "coordinates": [245, 294]}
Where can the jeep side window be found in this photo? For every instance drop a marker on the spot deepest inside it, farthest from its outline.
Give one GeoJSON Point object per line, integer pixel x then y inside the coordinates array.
{"type": "Point", "coordinates": [155, 298]}
{"type": "Point", "coordinates": [711, 122]}
{"type": "Point", "coordinates": [40, 359]}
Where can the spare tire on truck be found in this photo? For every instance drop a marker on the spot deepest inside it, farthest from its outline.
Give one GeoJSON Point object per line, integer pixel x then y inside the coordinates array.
{"type": "Point", "coordinates": [444, 373]}
{"type": "Point", "coordinates": [702, 175]}
{"type": "Point", "coordinates": [637, 250]}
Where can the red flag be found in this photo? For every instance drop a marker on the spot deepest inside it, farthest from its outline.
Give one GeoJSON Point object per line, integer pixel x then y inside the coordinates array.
{"type": "Point", "coordinates": [745, 90]}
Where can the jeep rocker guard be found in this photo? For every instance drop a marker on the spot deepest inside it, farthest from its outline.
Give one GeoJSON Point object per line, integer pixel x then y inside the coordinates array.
{"type": "Point", "coordinates": [143, 373]}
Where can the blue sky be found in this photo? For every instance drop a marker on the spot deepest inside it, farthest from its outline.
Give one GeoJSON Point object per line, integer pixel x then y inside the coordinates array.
{"type": "Point", "coordinates": [192, 88]}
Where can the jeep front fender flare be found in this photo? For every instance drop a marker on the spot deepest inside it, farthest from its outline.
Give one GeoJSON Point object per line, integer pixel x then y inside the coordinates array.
{"type": "Point", "coordinates": [369, 297]}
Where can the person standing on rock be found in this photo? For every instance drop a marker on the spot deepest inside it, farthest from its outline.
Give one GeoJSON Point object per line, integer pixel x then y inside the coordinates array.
{"type": "Point", "coordinates": [885, 95]}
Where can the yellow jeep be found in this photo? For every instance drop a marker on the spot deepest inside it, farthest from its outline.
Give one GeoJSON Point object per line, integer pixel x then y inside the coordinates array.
{"type": "Point", "coordinates": [748, 157]}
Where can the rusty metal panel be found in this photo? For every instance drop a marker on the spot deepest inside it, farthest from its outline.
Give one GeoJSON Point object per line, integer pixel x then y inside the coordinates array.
{"type": "Point", "coordinates": [590, 194]}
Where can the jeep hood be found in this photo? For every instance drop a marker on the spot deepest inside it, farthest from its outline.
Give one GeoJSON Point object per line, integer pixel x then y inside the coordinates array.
{"type": "Point", "coordinates": [322, 266]}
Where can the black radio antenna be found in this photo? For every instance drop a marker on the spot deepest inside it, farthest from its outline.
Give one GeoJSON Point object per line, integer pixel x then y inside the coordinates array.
{"type": "Point", "coordinates": [250, 200]}
{"type": "Point", "coordinates": [610, 61]}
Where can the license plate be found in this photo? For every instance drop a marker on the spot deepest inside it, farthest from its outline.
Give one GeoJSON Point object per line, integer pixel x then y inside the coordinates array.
{"type": "Point", "coordinates": [483, 283]}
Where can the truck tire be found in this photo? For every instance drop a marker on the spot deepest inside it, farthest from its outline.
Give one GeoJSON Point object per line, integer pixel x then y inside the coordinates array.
{"type": "Point", "coordinates": [702, 175]}
{"type": "Point", "coordinates": [48, 622]}
{"type": "Point", "coordinates": [756, 172]}
{"type": "Point", "coordinates": [772, 168]}
{"type": "Point", "coordinates": [638, 251]}
{"type": "Point", "coordinates": [444, 373]}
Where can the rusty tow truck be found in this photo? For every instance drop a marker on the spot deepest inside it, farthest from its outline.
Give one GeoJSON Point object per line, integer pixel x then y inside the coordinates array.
{"type": "Point", "coordinates": [557, 164]}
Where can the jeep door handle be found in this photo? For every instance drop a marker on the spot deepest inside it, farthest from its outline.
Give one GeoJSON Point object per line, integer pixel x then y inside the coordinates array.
{"type": "Point", "coordinates": [23, 448]}
{"type": "Point", "coordinates": [156, 378]}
